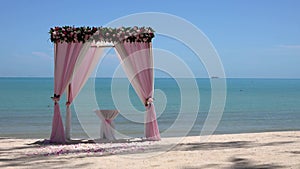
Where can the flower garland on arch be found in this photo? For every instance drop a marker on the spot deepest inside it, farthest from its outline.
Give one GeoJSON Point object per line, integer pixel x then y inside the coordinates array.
{"type": "Point", "coordinates": [82, 34]}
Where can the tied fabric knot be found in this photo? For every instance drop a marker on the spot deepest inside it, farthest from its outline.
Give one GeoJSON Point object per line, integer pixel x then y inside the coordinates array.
{"type": "Point", "coordinates": [68, 103]}
{"type": "Point", "coordinates": [149, 101]}
{"type": "Point", "coordinates": [55, 98]}
{"type": "Point", "coordinates": [108, 121]}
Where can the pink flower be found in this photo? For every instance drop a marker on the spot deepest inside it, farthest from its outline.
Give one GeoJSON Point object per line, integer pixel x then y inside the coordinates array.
{"type": "Point", "coordinates": [150, 100]}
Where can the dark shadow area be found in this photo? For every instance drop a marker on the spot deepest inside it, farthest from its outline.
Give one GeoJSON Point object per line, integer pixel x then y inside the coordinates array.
{"type": "Point", "coordinates": [242, 163]}
{"type": "Point", "coordinates": [204, 166]}
{"type": "Point", "coordinates": [223, 145]}
{"type": "Point", "coordinates": [295, 152]}
{"type": "Point", "coordinates": [83, 165]}
{"type": "Point", "coordinates": [18, 148]}
{"type": "Point", "coordinates": [73, 141]}
{"type": "Point", "coordinates": [38, 160]}
{"type": "Point", "coordinates": [277, 143]}
{"type": "Point", "coordinates": [4, 138]}
{"type": "Point", "coordinates": [30, 162]}
{"type": "Point", "coordinates": [210, 146]}
{"type": "Point", "coordinates": [86, 141]}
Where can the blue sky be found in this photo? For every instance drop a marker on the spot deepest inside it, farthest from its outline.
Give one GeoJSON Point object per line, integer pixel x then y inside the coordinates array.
{"type": "Point", "coordinates": [254, 38]}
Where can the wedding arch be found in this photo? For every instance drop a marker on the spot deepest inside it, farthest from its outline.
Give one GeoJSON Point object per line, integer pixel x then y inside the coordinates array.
{"type": "Point", "coordinates": [77, 51]}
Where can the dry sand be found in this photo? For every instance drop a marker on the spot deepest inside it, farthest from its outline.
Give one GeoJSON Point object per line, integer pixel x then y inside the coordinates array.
{"type": "Point", "coordinates": [237, 151]}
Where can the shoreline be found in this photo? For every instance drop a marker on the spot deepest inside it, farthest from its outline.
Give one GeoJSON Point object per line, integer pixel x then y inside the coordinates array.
{"type": "Point", "coordinates": [245, 150]}
{"type": "Point", "coordinates": [138, 136]}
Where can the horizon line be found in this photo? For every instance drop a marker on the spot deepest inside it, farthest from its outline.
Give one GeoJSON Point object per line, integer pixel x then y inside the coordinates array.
{"type": "Point", "coordinates": [163, 77]}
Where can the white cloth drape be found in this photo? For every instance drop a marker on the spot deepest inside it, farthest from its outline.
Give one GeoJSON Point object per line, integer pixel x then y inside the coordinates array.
{"type": "Point", "coordinates": [107, 124]}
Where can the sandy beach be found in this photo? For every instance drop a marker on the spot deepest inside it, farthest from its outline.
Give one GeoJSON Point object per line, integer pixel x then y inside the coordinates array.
{"type": "Point", "coordinates": [237, 151]}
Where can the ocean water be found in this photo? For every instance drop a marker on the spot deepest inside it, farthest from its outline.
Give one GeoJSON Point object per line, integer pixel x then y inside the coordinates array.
{"type": "Point", "coordinates": [252, 105]}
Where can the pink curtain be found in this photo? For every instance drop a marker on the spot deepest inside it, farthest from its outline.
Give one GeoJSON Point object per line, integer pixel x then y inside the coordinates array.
{"type": "Point", "coordinates": [83, 72]}
{"type": "Point", "coordinates": [65, 58]}
{"type": "Point", "coordinates": [138, 64]}
{"type": "Point", "coordinates": [88, 64]}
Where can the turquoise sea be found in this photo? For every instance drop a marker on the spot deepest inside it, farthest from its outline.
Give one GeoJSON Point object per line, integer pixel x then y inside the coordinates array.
{"type": "Point", "coordinates": [252, 105]}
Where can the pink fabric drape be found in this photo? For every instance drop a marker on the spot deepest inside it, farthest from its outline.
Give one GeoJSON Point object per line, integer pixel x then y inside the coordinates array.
{"type": "Point", "coordinates": [138, 64]}
{"type": "Point", "coordinates": [85, 68]}
{"type": "Point", "coordinates": [65, 58]}
{"type": "Point", "coordinates": [89, 62]}
{"type": "Point", "coordinates": [57, 134]}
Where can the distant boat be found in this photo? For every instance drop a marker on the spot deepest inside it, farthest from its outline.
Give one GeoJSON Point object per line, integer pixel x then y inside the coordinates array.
{"type": "Point", "coordinates": [214, 77]}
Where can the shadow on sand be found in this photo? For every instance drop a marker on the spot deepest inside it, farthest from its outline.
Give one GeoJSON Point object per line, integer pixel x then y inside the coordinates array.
{"type": "Point", "coordinates": [38, 161]}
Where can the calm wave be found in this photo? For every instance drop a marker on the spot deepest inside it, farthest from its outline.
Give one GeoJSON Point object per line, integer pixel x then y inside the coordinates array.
{"type": "Point", "coordinates": [252, 105]}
